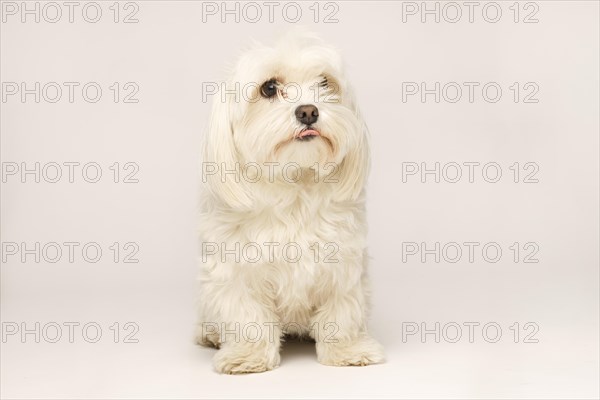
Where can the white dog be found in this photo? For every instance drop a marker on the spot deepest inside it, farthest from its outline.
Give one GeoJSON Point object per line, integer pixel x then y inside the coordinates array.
{"type": "Point", "coordinates": [283, 227]}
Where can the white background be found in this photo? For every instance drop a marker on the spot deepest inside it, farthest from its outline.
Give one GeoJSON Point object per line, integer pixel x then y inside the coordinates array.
{"type": "Point", "coordinates": [169, 53]}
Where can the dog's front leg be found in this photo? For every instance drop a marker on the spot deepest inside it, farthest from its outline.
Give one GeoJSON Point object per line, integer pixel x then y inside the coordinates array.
{"type": "Point", "coordinates": [249, 332]}
{"type": "Point", "coordinates": [340, 333]}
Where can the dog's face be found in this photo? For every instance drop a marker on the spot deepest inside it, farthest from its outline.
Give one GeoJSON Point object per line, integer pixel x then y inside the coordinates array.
{"type": "Point", "coordinates": [294, 105]}
{"type": "Point", "coordinates": [290, 104]}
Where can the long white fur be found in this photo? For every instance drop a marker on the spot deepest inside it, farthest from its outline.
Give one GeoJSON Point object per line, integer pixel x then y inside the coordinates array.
{"type": "Point", "coordinates": [327, 301]}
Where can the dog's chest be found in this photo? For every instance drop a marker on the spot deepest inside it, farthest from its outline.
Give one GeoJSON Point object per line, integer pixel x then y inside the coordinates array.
{"type": "Point", "coordinates": [306, 224]}
{"type": "Point", "coordinates": [302, 230]}
{"type": "Point", "coordinates": [304, 246]}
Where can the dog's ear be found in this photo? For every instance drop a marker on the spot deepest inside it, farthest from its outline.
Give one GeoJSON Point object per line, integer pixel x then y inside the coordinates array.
{"type": "Point", "coordinates": [354, 169]}
{"type": "Point", "coordinates": [220, 157]}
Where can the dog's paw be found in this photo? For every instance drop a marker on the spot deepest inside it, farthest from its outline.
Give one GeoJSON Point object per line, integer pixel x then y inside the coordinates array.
{"type": "Point", "coordinates": [245, 359]}
{"type": "Point", "coordinates": [207, 339]}
{"type": "Point", "coordinates": [363, 351]}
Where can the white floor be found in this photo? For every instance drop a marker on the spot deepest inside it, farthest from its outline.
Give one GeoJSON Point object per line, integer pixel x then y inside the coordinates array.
{"type": "Point", "coordinates": [165, 364]}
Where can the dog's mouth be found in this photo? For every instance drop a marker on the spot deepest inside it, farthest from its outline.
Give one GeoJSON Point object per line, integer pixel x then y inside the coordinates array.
{"type": "Point", "coordinates": [307, 134]}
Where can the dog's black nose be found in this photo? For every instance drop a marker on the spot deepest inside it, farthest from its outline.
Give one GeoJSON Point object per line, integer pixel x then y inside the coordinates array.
{"type": "Point", "coordinates": [307, 114]}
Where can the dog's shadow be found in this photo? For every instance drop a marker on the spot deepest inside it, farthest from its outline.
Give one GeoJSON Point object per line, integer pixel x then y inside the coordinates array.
{"type": "Point", "coordinates": [294, 348]}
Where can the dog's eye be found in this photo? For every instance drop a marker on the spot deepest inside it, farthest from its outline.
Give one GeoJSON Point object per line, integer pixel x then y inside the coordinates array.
{"type": "Point", "coordinates": [269, 88]}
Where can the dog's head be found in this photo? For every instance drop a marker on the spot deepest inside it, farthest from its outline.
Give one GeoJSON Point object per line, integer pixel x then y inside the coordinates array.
{"type": "Point", "coordinates": [288, 104]}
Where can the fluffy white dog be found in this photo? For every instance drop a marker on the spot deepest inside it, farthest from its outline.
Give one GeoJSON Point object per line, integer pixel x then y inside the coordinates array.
{"type": "Point", "coordinates": [283, 227]}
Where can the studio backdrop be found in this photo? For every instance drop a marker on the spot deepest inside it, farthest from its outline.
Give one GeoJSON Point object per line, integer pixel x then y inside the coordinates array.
{"type": "Point", "coordinates": [482, 199]}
